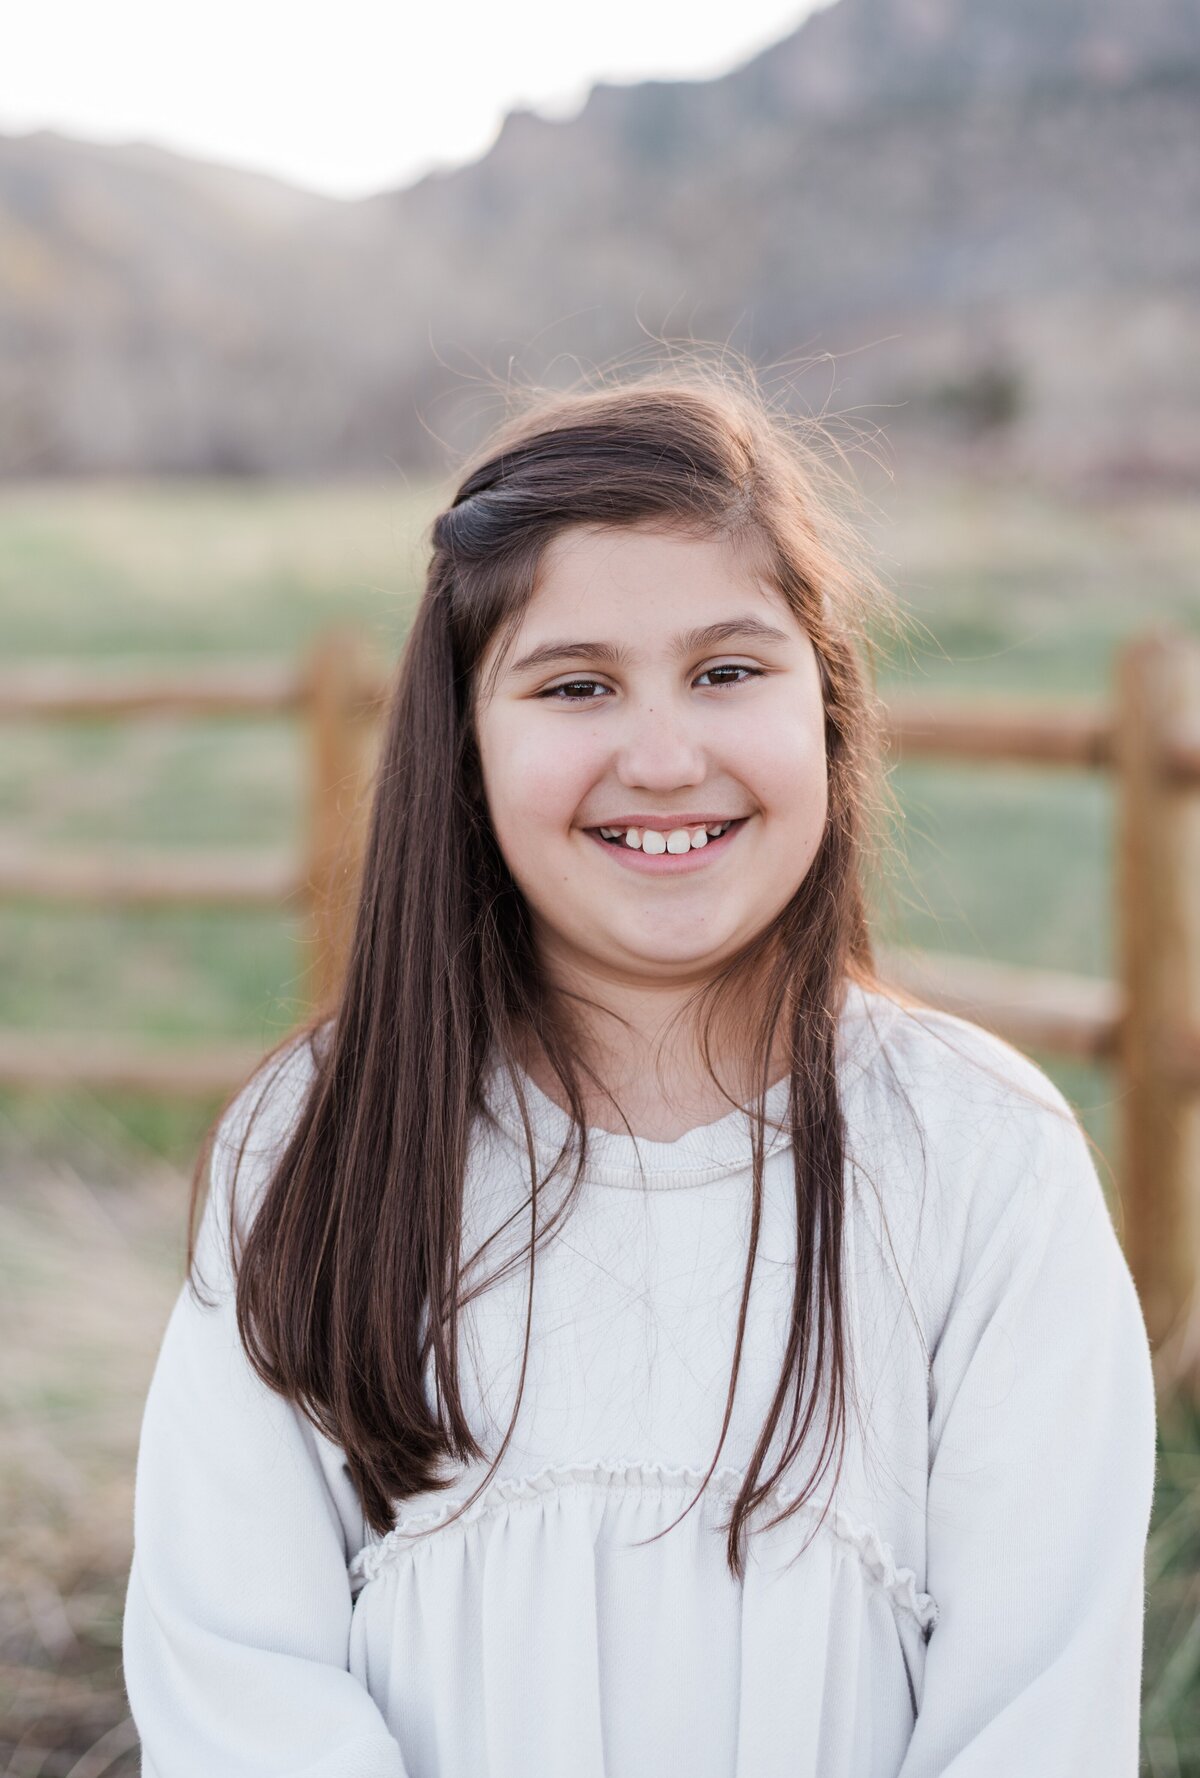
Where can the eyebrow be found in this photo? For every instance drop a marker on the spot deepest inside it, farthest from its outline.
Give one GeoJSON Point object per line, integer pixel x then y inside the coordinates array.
{"type": "Point", "coordinates": [687, 642]}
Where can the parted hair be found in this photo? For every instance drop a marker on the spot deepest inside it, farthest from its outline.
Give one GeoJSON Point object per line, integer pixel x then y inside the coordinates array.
{"type": "Point", "coordinates": [351, 1272]}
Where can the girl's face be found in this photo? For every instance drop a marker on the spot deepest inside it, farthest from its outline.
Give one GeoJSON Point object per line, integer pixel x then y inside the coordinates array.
{"type": "Point", "coordinates": [656, 689]}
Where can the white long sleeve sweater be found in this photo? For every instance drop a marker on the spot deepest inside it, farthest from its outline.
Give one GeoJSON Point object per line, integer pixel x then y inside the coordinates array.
{"type": "Point", "coordinates": [970, 1607]}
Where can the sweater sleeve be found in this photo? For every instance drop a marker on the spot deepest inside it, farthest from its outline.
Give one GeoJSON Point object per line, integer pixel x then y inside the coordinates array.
{"type": "Point", "coordinates": [237, 1620]}
{"type": "Point", "coordinates": [1042, 1464]}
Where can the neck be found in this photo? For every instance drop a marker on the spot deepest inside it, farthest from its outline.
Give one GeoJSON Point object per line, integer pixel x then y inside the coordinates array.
{"type": "Point", "coordinates": [643, 1045]}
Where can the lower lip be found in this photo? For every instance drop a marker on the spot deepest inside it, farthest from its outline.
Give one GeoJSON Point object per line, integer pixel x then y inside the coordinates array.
{"type": "Point", "coordinates": [669, 864]}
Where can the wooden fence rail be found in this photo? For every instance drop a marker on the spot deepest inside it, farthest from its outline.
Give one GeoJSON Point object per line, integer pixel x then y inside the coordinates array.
{"type": "Point", "coordinates": [1145, 1024]}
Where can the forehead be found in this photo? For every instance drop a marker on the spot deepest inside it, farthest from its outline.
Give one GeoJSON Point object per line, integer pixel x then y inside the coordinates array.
{"type": "Point", "coordinates": [639, 569]}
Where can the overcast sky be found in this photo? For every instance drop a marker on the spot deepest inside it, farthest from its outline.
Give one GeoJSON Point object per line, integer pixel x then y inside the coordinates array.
{"type": "Point", "coordinates": [353, 97]}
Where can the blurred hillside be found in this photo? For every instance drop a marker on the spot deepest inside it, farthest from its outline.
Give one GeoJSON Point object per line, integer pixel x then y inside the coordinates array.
{"type": "Point", "coordinates": [987, 210]}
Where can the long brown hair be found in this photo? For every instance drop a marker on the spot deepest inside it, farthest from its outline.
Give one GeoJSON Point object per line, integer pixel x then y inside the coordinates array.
{"type": "Point", "coordinates": [357, 1232]}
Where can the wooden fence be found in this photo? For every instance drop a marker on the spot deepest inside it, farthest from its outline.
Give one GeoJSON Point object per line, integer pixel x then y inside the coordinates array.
{"type": "Point", "coordinates": [1145, 1024]}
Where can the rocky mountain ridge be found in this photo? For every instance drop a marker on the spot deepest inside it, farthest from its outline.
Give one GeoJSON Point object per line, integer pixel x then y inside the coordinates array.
{"type": "Point", "coordinates": [980, 217]}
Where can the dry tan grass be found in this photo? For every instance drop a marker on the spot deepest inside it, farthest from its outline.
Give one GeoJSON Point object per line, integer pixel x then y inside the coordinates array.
{"type": "Point", "coordinates": [87, 1279]}
{"type": "Point", "coordinates": [169, 541]}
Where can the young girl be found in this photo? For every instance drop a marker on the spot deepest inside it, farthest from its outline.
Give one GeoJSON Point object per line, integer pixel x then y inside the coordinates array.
{"type": "Point", "coordinates": [623, 1341]}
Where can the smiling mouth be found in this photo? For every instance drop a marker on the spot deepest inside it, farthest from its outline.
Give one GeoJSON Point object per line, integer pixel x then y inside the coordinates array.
{"type": "Point", "coordinates": [671, 848]}
{"type": "Point", "coordinates": [653, 840]}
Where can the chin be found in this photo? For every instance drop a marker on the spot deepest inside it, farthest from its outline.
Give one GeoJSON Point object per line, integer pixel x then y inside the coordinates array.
{"type": "Point", "coordinates": [684, 955]}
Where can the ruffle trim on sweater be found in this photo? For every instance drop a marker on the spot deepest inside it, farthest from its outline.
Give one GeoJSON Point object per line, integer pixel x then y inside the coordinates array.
{"type": "Point", "coordinates": [627, 1475]}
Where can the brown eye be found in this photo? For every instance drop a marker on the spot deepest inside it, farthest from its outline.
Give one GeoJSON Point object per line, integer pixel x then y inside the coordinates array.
{"type": "Point", "coordinates": [754, 672]}
{"type": "Point", "coordinates": [553, 691]}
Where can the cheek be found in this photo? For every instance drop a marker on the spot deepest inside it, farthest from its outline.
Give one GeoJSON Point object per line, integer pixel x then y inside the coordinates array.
{"type": "Point", "coordinates": [534, 781]}
{"type": "Point", "coordinates": [783, 764]}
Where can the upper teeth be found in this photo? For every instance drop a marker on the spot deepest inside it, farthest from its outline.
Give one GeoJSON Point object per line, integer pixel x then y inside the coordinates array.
{"type": "Point", "coordinates": [680, 839]}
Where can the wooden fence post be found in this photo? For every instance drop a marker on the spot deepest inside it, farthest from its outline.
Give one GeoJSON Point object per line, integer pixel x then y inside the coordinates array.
{"type": "Point", "coordinates": [341, 737]}
{"type": "Point", "coordinates": [1157, 870]}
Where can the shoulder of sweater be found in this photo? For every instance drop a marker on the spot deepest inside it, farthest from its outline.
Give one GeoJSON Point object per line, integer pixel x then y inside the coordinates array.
{"type": "Point", "coordinates": [257, 1123]}
{"type": "Point", "coordinates": [953, 1133]}
{"type": "Point", "coordinates": [951, 1071]}
{"type": "Point", "coordinates": [251, 1135]}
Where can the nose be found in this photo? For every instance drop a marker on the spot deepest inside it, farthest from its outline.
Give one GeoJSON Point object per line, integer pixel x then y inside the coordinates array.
{"type": "Point", "coordinates": [660, 749]}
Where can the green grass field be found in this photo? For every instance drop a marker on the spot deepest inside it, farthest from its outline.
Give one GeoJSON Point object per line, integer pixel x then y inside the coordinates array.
{"type": "Point", "coordinates": [1009, 593]}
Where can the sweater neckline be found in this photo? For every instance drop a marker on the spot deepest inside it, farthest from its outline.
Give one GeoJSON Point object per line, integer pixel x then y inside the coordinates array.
{"type": "Point", "coordinates": [710, 1152]}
